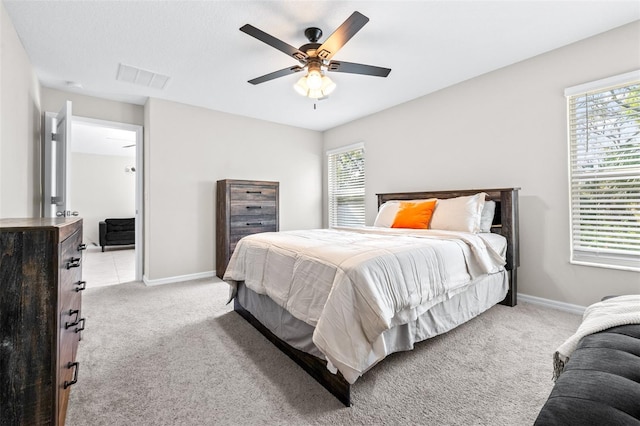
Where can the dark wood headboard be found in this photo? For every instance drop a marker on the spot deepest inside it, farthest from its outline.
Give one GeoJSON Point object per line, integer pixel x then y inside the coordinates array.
{"type": "Point", "coordinates": [505, 222]}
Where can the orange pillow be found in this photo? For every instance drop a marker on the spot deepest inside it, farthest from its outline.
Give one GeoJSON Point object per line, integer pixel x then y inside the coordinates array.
{"type": "Point", "coordinates": [414, 215]}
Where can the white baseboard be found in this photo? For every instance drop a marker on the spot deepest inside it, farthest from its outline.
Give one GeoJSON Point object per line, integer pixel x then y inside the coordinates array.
{"type": "Point", "coordinates": [179, 278]}
{"type": "Point", "coordinates": [567, 307]}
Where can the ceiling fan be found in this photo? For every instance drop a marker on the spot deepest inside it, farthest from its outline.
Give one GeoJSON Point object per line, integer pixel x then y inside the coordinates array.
{"type": "Point", "coordinates": [315, 58]}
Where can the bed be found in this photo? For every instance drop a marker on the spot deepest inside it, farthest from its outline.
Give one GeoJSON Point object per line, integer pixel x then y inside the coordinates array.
{"type": "Point", "coordinates": [334, 301]}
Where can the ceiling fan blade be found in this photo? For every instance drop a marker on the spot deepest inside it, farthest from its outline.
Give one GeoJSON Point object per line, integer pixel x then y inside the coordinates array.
{"type": "Point", "coordinates": [276, 74]}
{"type": "Point", "coordinates": [274, 42]}
{"type": "Point", "coordinates": [352, 68]}
{"type": "Point", "coordinates": [342, 35]}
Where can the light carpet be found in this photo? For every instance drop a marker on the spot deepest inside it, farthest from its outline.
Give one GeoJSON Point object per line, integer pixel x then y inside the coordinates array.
{"type": "Point", "coordinates": [177, 355]}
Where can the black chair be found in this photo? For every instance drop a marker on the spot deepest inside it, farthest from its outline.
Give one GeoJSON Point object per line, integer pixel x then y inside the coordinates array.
{"type": "Point", "coordinates": [117, 232]}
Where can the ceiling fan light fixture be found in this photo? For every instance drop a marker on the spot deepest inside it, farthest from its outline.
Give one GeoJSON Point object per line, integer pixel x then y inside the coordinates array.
{"type": "Point", "coordinates": [301, 86]}
{"type": "Point", "coordinates": [315, 94]}
{"type": "Point", "coordinates": [328, 86]}
{"type": "Point", "coordinates": [314, 80]}
{"type": "Point", "coordinates": [308, 85]}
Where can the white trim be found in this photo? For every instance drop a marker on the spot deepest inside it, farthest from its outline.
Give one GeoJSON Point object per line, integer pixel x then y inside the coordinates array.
{"type": "Point", "coordinates": [352, 147]}
{"type": "Point", "coordinates": [569, 200]}
{"type": "Point", "coordinates": [178, 278]}
{"type": "Point", "coordinates": [602, 83]}
{"type": "Point", "coordinates": [139, 236]}
{"type": "Point", "coordinates": [606, 263]}
{"type": "Point", "coordinates": [561, 306]}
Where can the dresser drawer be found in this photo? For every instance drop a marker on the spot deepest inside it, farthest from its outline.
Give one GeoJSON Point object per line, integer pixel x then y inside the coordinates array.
{"type": "Point", "coordinates": [243, 229]}
{"type": "Point", "coordinates": [71, 260]}
{"type": "Point", "coordinates": [252, 209]}
{"type": "Point", "coordinates": [239, 192]}
{"type": "Point", "coordinates": [249, 224]}
{"type": "Point", "coordinates": [68, 371]}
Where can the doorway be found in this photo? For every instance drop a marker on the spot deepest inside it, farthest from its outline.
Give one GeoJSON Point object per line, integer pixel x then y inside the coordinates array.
{"type": "Point", "coordinates": [106, 183]}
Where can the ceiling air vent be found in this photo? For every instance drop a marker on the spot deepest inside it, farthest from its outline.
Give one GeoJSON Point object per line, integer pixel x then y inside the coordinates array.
{"type": "Point", "coordinates": [141, 77]}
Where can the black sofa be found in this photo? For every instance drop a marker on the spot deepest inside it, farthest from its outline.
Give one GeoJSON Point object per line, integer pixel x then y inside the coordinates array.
{"type": "Point", "coordinates": [117, 232]}
{"type": "Point", "coordinates": [600, 384]}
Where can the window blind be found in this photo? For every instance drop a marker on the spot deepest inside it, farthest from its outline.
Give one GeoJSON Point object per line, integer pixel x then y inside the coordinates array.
{"type": "Point", "coordinates": [604, 161]}
{"type": "Point", "coordinates": [346, 186]}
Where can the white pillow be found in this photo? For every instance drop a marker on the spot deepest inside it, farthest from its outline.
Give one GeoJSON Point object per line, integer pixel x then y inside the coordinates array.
{"type": "Point", "coordinates": [387, 214]}
{"type": "Point", "coordinates": [458, 214]}
{"type": "Point", "coordinates": [486, 218]}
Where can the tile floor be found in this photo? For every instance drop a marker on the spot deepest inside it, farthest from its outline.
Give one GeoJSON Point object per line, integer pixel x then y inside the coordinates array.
{"type": "Point", "coordinates": [115, 266]}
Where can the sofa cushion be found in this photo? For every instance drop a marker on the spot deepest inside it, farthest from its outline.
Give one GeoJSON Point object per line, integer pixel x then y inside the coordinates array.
{"type": "Point", "coordinates": [113, 237]}
{"type": "Point", "coordinates": [120, 225]}
{"type": "Point", "coordinates": [600, 383]}
{"type": "Point", "coordinates": [571, 411]}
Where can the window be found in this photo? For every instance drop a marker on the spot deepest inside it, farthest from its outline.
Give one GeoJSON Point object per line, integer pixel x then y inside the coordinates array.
{"type": "Point", "coordinates": [604, 162]}
{"type": "Point", "coordinates": [346, 186]}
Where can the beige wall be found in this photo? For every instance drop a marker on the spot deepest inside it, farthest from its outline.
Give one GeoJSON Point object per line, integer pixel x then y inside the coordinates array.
{"type": "Point", "coordinates": [187, 149]}
{"type": "Point", "coordinates": [19, 127]}
{"type": "Point", "coordinates": [506, 128]}
{"type": "Point", "coordinates": [92, 107]}
{"type": "Point", "coordinates": [101, 189]}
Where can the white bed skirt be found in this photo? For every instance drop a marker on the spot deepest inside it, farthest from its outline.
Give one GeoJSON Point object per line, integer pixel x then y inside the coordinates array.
{"type": "Point", "coordinates": [484, 293]}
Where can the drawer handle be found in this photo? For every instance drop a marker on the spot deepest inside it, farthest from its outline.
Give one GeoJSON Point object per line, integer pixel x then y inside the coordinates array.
{"type": "Point", "coordinates": [73, 263]}
{"type": "Point", "coordinates": [82, 285]}
{"type": "Point", "coordinates": [254, 207]}
{"type": "Point", "coordinates": [82, 247]}
{"type": "Point", "coordinates": [254, 223]}
{"type": "Point", "coordinates": [254, 192]}
{"type": "Point", "coordinates": [80, 328]}
{"type": "Point", "coordinates": [75, 365]}
{"type": "Point", "coordinates": [71, 313]}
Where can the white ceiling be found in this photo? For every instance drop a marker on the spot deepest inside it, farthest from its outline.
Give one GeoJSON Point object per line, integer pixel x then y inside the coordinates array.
{"type": "Point", "coordinates": [90, 138]}
{"type": "Point", "coordinates": [428, 45]}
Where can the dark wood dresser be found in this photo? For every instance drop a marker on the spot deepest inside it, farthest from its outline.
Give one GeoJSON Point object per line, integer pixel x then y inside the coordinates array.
{"type": "Point", "coordinates": [243, 207]}
{"type": "Point", "coordinates": [40, 317]}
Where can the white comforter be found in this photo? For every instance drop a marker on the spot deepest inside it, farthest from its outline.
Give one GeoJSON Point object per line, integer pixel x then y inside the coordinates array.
{"type": "Point", "coordinates": [352, 284]}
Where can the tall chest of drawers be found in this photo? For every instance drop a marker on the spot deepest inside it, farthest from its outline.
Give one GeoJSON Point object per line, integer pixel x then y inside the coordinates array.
{"type": "Point", "coordinates": [243, 207]}
{"type": "Point", "coordinates": [40, 318]}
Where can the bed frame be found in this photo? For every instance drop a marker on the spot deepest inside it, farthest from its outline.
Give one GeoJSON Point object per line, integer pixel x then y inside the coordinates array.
{"type": "Point", "coordinates": [505, 223]}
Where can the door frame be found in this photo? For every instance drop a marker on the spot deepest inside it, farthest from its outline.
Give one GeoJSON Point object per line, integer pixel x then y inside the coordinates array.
{"type": "Point", "coordinates": [58, 158]}
{"type": "Point", "coordinates": [139, 203]}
